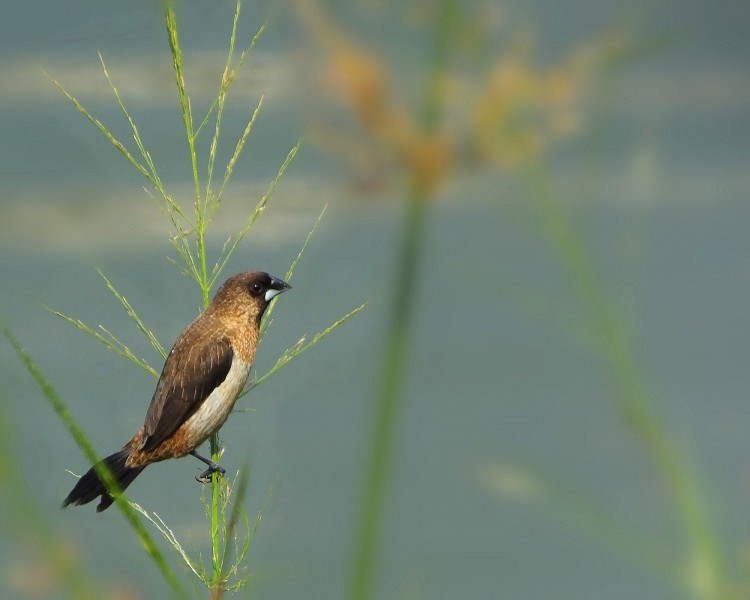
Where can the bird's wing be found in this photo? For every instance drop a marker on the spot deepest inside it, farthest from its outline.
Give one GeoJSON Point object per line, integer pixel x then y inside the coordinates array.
{"type": "Point", "coordinates": [198, 364]}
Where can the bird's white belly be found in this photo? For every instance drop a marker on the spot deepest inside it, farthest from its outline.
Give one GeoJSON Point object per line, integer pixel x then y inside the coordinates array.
{"type": "Point", "coordinates": [216, 408]}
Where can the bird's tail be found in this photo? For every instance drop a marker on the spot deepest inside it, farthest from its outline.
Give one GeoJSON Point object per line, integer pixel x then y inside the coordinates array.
{"type": "Point", "coordinates": [89, 487]}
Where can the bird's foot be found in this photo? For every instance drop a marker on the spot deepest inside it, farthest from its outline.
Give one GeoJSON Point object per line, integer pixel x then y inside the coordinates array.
{"type": "Point", "coordinates": [205, 477]}
{"type": "Point", "coordinates": [213, 467]}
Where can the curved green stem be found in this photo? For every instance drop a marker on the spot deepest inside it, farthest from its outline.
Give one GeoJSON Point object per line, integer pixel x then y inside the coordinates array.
{"type": "Point", "coordinates": [705, 570]}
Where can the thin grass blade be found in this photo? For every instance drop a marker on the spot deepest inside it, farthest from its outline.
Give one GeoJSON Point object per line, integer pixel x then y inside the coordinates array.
{"type": "Point", "coordinates": [105, 132]}
{"type": "Point", "coordinates": [113, 343]}
{"type": "Point", "coordinates": [171, 538]}
{"type": "Point", "coordinates": [134, 315]}
{"type": "Point", "coordinates": [220, 100]}
{"type": "Point", "coordinates": [156, 181]}
{"type": "Point", "coordinates": [301, 346]}
{"type": "Point", "coordinates": [238, 149]}
{"type": "Point", "coordinates": [234, 516]}
{"type": "Point", "coordinates": [232, 76]}
{"type": "Point", "coordinates": [187, 115]}
{"type": "Point", "coordinates": [259, 208]}
{"type": "Point", "coordinates": [102, 471]}
{"type": "Point", "coordinates": [292, 267]}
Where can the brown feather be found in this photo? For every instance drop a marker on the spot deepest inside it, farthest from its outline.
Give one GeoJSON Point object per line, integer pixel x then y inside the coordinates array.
{"type": "Point", "coordinates": [197, 364]}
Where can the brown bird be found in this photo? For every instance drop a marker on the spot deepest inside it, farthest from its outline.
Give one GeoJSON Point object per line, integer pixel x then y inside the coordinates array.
{"type": "Point", "coordinates": [202, 377]}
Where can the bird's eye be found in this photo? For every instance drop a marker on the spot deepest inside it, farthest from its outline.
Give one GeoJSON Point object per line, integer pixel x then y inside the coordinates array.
{"type": "Point", "coordinates": [256, 289]}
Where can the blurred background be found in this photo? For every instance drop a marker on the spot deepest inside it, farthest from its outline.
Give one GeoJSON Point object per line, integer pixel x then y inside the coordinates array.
{"type": "Point", "coordinates": [573, 416]}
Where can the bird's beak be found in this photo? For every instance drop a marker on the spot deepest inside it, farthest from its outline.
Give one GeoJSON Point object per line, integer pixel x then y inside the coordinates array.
{"type": "Point", "coordinates": [277, 286]}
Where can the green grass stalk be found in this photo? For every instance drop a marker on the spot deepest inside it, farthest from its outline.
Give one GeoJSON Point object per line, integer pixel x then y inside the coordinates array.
{"type": "Point", "coordinates": [82, 440]}
{"type": "Point", "coordinates": [200, 237]}
{"type": "Point", "coordinates": [705, 572]}
{"type": "Point", "coordinates": [388, 401]}
{"type": "Point", "coordinates": [31, 523]}
{"type": "Point", "coordinates": [397, 340]}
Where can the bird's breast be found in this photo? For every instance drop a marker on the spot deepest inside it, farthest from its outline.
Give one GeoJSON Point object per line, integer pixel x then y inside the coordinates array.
{"type": "Point", "coordinates": [216, 408]}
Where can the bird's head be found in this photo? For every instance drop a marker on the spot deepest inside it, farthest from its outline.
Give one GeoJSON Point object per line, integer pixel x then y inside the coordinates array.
{"type": "Point", "coordinates": [247, 295]}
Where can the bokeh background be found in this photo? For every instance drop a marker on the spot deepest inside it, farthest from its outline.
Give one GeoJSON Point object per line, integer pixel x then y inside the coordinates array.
{"type": "Point", "coordinates": [574, 415]}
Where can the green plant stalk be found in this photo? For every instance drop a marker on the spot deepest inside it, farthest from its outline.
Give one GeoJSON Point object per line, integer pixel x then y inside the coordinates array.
{"type": "Point", "coordinates": [215, 449]}
{"type": "Point", "coordinates": [203, 280]}
{"type": "Point", "coordinates": [102, 471]}
{"type": "Point", "coordinates": [397, 335]}
{"type": "Point", "coordinates": [391, 380]}
{"type": "Point", "coordinates": [29, 522]}
{"type": "Point", "coordinates": [214, 441]}
{"type": "Point", "coordinates": [215, 445]}
{"type": "Point", "coordinates": [706, 560]}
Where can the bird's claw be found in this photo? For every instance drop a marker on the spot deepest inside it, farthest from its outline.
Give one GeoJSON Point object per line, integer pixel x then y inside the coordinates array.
{"type": "Point", "coordinates": [213, 467]}
{"type": "Point", "coordinates": [205, 477]}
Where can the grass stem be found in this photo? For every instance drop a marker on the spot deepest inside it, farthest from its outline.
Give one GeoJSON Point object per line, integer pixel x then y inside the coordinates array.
{"type": "Point", "coordinates": [705, 571]}
{"type": "Point", "coordinates": [397, 335]}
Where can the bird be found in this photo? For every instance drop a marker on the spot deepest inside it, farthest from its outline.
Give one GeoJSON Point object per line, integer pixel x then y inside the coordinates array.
{"type": "Point", "coordinates": [202, 377]}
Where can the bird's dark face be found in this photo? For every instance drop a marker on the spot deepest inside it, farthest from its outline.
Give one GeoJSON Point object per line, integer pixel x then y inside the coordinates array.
{"type": "Point", "coordinates": [264, 287]}
{"type": "Point", "coordinates": [247, 295]}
